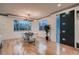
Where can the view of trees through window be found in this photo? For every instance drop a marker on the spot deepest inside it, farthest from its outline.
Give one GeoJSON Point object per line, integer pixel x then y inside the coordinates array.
{"type": "Point", "coordinates": [22, 25]}
{"type": "Point", "coordinates": [42, 24]}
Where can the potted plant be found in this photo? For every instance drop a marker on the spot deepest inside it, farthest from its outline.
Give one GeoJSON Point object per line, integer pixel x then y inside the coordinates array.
{"type": "Point", "coordinates": [47, 30]}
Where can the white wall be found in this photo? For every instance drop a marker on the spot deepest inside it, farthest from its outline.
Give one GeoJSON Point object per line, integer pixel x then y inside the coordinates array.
{"type": "Point", "coordinates": [77, 26]}
{"type": "Point", "coordinates": [6, 28]}
{"type": "Point", "coordinates": [52, 22]}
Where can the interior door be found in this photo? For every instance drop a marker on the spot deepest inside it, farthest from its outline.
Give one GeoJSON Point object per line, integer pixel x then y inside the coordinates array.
{"type": "Point", "coordinates": [67, 28]}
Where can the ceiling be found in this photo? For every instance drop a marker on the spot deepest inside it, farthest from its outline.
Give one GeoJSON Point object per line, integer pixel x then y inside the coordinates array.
{"type": "Point", "coordinates": [36, 10]}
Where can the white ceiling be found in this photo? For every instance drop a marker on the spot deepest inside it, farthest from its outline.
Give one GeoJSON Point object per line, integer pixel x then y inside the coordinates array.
{"type": "Point", "coordinates": [36, 10]}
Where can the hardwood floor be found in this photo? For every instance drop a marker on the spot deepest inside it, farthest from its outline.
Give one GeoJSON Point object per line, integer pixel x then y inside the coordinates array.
{"type": "Point", "coordinates": [41, 47]}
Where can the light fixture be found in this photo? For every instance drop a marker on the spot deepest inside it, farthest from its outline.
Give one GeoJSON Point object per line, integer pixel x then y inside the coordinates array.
{"type": "Point", "coordinates": [27, 16]}
{"type": "Point", "coordinates": [59, 5]}
{"type": "Point", "coordinates": [34, 20]}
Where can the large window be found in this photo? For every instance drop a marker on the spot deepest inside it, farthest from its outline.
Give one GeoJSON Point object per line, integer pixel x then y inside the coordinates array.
{"type": "Point", "coordinates": [42, 24]}
{"type": "Point", "coordinates": [22, 25]}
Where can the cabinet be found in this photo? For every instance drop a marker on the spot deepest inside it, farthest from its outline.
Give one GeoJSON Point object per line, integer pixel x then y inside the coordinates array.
{"type": "Point", "coordinates": [67, 28]}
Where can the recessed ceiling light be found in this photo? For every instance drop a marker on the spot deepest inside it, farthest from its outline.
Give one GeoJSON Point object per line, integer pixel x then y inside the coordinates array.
{"type": "Point", "coordinates": [59, 5]}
